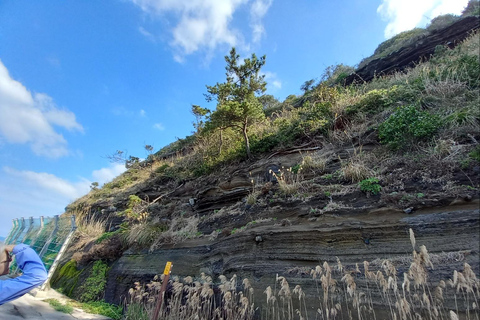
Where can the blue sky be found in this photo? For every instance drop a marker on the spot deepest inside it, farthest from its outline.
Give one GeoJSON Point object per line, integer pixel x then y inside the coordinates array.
{"type": "Point", "coordinates": [82, 79]}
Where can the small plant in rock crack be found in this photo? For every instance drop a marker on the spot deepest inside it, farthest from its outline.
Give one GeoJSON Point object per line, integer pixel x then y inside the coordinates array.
{"type": "Point", "coordinates": [370, 185]}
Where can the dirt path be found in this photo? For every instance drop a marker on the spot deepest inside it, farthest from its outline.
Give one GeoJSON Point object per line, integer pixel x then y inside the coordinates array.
{"type": "Point", "coordinates": [34, 308]}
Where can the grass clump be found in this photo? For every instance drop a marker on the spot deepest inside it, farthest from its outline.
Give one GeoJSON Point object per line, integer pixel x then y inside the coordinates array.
{"type": "Point", "coordinates": [406, 126]}
{"type": "Point", "coordinates": [103, 308]}
{"type": "Point", "coordinates": [57, 305]}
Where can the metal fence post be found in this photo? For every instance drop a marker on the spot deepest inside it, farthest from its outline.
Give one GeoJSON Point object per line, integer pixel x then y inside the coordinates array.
{"type": "Point", "coordinates": [50, 238]}
{"type": "Point", "coordinates": [19, 232]}
{"type": "Point", "coordinates": [13, 231]}
{"type": "Point", "coordinates": [30, 227]}
{"type": "Point", "coordinates": [34, 239]}
{"type": "Point", "coordinates": [64, 247]}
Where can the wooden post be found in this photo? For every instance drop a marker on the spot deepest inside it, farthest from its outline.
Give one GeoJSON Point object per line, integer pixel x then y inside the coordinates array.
{"type": "Point", "coordinates": [166, 273]}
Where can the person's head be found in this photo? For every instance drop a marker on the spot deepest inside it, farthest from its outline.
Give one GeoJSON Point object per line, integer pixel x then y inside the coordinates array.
{"type": "Point", "coordinates": [5, 260]}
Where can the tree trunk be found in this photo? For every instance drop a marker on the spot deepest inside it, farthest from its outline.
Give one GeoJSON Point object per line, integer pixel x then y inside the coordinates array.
{"type": "Point", "coordinates": [247, 144]}
{"type": "Point", "coordinates": [221, 142]}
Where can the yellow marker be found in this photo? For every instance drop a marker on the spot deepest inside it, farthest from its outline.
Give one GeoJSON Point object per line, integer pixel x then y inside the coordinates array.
{"type": "Point", "coordinates": [168, 266]}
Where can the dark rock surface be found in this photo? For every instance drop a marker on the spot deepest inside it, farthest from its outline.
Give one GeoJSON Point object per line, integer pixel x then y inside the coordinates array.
{"type": "Point", "coordinates": [451, 235]}
{"type": "Point", "coordinates": [422, 49]}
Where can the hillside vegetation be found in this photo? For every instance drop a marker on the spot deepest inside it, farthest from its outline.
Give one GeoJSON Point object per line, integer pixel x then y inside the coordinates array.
{"type": "Point", "coordinates": [406, 142]}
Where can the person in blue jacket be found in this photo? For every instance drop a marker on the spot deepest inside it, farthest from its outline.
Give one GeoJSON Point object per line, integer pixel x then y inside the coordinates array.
{"type": "Point", "coordinates": [33, 271]}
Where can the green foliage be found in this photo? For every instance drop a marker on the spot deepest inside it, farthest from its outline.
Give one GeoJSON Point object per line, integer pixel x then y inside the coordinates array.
{"type": "Point", "coordinates": [103, 308]}
{"type": "Point", "coordinates": [163, 168]}
{"type": "Point", "coordinates": [475, 154]}
{"type": "Point", "coordinates": [133, 201]}
{"type": "Point", "coordinates": [296, 168]}
{"type": "Point", "coordinates": [468, 66]}
{"type": "Point", "coordinates": [57, 305]}
{"type": "Point", "coordinates": [94, 286]}
{"type": "Point", "coordinates": [107, 235]}
{"type": "Point", "coordinates": [407, 125]}
{"type": "Point", "coordinates": [307, 85]}
{"type": "Point", "coordinates": [370, 185]}
{"type": "Point", "coordinates": [199, 114]}
{"type": "Point", "coordinates": [316, 117]}
{"type": "Point", "coordinates": [336, 74]}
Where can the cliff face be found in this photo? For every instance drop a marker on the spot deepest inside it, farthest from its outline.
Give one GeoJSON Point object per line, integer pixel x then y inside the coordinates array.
{"type": "Point", "coordinates": [450, 233]}
{"type": "Point", "coordinates": [420, 50]}
{"type": "Point", "coordinates": [291, 235]}
{"type": "Point", "coordinates": [279, 214]}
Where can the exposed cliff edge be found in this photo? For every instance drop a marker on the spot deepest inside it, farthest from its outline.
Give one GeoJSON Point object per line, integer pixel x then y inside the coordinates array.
{"type": "Point", "coordinates": [422, 49]}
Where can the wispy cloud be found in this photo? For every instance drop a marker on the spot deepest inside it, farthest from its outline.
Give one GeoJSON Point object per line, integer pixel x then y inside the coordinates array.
{"type": "Point", "coordinates": [147, 34]}
{"type": "Point", "coordinates": [125, 112]}
{"type": "Point", "coordinates": [47, 193]}
{"type": "Point", "coordinates": [258, 10]}
{"type": "Point", "coordinates": [403, 15]}
{"type": "Point", "coordinates": [205, 24]}
{"type": "Point", "coordinates": [30, 119]}
{"type": "Point", "coordinates": [104, 175]}
{"type": "Point", "coordinates": [159, 126]}
{"type": "Point", "coordinates": [272, 80]}
{"type": "Point", "coordinates": [50, 183]}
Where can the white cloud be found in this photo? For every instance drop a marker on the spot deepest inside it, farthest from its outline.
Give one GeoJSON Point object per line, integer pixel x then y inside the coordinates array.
{"type": "Point", "coordinates": [272, 80]}
{"type": "Point", "coordinates": [146, 34]}
{"type": "Point", "coordinates": [27, 119]}
{"type": "Point", "coordinates": [159, 126]}
{"type": "Point", "coordinates": [50, 183]}
{"type": "Point", "coordinates": [143, 113]}
{"type": "Point", "coordinates": [204, 24]}
{"type": "Point", "coordinates": [404, 15]}
{"type": "Point", "coordinates": [105, 175]}
{"type": "Point", "coordinates": [258, 10]}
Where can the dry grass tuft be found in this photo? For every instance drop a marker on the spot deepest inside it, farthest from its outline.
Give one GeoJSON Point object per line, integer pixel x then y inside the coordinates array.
{"type": "Point", "coordinates": [315, 163]}
{"type": "Point", "coordinates": [91, 228]}
{"type": "Point", "coordinates": [356, 169]}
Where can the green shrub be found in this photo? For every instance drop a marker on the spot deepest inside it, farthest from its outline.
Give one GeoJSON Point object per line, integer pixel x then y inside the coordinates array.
{"type": "Point", "coordinates": [94, 285]}
{"type": "Point", "coordinates": [374, 101]}
{"type": "Point", "coordinates": [408, 125]}
{"type": "Point", "coordinates": [370, 185]}
{"type": "Point", "coordinates": [265, 144]}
